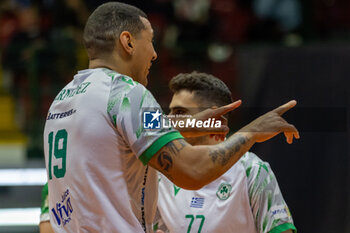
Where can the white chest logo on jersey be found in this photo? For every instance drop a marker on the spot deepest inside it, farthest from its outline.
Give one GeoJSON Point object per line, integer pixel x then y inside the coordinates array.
{"type": "Point", "coordinates": [224, 191]}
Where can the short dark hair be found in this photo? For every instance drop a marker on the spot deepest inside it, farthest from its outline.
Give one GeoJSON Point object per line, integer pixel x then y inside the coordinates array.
{"type": "Point", "coordinates": [206, 87]}
{"type": "Point", "coordinates": [106, 23]}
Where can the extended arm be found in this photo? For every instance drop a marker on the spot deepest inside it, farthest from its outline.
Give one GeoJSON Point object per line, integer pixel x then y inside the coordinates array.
{"type": "Point", "coordinates": [192, 167]}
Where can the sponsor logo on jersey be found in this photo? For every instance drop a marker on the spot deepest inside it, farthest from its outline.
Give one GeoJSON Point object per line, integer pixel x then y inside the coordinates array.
{"type": "Point", "coordinates": [197, 202]}
{"type": "Point", "coordinates": [63, 209]}
{"type": "Point", "coordinates": [53, 116]}
{"type": "Point", "coordinates": [151, 119]}
{"type": "Point", "coordinates": [280, 211]}
{"type": "Point", "coordinates": [224, 191]}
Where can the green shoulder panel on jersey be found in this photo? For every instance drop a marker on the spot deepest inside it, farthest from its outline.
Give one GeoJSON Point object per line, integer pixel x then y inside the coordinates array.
{"type": "Point", "coordinates": [113, 74]}
{"type": "Point", "coordinates": [158, 144]}
{"type": "Point", "coordinates": [113, 101]}
{"type": "Point", "coordinates": [248, 160]}
{"type": "Point", "coordinates": [128, 80]}
{"type": "Point", "coordinates": [121, 96]}
{"type": "Point", "coordinates": [257, 172]}
{"type": "Point", "coordinates": [284, 227]}
{"type": "Point", "coordinates": [110, 73]}
{"type": "Point", "coordinates": [140, 129]}
{"type": "Point", "coordinates": [270, 211]}
{"type": "Point", "coordinates": [45, 199]}
{"type": "Point", "coordinates": [125, 104]}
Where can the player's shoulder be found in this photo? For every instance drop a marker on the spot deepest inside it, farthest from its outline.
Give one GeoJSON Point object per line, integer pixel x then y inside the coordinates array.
{"type": "Point", "coordinates": [124, 89]}
{"type": "Point", "coordinates": [125, 85]}
{"type": "Point", "coordinates": [250, 160]}
{"type": "Point", "coordinates": [121, 79]}
{"type": "Point", "coordinates": [254, 166]}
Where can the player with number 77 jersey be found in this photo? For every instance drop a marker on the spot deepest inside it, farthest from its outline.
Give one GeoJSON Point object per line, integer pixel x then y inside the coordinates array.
{"type": "Point", "coordinates": [246, 198]}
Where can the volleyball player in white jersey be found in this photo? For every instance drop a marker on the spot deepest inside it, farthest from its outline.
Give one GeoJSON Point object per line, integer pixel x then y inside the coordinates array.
{"type": "Point", "coordinates": [100, 160]}
{"type": "Point", "coordinates": [244, 199]}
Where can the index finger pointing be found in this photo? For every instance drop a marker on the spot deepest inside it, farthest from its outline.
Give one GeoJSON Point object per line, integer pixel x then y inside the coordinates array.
{"type": "Point", "coordinates": [285, 107]}
{"type": "Point", "coordinates": [227, 108]}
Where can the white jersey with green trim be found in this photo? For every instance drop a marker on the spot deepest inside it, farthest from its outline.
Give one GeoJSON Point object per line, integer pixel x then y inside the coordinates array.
{"type": "Point", "coordinates": [245, 199]}
{"type": "Point", "coordinates": [96, 151]}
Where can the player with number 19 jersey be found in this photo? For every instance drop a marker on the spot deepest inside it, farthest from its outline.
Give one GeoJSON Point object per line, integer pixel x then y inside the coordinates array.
{"type": "Point", "coordinates": [96, 154]}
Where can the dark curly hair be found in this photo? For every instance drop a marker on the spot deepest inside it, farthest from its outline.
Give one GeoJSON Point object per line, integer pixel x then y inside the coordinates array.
{"type": "Point", "coordinates": [107, 22]}
{"type": "Point", "coordinates": [206, 87]}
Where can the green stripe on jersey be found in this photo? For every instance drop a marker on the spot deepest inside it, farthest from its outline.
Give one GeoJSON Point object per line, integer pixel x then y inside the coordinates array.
{"type": "Point", "coordinates": [110, 73]}
{"type": "Point", "coordinates": [158, 144]}
{"type": "Point", "coordinates": [44, 199]}
{"type": "Point", "coordinates": [284, 227]}
{"type": "Point", "coordinates": [125, 104]}
{"type": "Point", "coordinates": [128, 80]}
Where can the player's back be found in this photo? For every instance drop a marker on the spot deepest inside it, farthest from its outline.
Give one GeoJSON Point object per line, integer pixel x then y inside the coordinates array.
{"type": "Point", "coordinates": [86, 159]}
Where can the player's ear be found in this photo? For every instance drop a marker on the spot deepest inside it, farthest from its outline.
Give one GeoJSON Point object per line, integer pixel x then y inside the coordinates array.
{"type": "Point", "coordinates": [126, 41]}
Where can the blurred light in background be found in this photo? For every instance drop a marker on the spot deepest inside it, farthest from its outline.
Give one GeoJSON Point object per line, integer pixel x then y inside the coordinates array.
{"type": "Point", "coordinates": [219, 52]}
{"type": "Point", "coordinates": [25, 177]}
{"type": "Point", "coordinates": [20, 217]}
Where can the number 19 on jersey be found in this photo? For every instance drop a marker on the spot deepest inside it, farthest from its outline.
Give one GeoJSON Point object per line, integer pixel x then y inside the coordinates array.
{"type": "Point", "coordinates": [58, 148]}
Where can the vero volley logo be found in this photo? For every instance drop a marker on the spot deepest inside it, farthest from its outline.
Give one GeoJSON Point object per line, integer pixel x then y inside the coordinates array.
{"type": "Point", "coordinates": [151, 119]}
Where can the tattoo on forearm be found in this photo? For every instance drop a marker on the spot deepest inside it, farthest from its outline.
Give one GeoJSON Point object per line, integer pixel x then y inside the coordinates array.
{"type": "Point", "coordinates": [224, 152]}
{"type": "Point", "coordinates": [165, 161]}
{"type": "Point", "coordinates": [176, 147]}
{"type": "Point", "coordinates": [164, 158]}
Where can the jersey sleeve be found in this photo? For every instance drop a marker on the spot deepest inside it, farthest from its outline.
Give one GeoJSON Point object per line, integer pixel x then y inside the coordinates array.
{"type": "Point", "coordinates": [44, 214]}
{"type": "Point", "coordinates": [270, 211]}
{"type": "Point", "coordinates": [127, 103]}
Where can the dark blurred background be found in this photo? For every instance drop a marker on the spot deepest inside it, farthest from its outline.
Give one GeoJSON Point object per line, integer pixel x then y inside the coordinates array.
{"type": "Point", "coordinates": [266, 51]}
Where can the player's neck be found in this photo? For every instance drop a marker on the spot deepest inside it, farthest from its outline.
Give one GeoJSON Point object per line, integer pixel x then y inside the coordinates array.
{"type": "Point", "coordinates": [111, 64]}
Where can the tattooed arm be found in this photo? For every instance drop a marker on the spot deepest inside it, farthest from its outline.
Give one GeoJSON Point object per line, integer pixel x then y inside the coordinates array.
{"type": "Point", "coordinates": [192, 167]}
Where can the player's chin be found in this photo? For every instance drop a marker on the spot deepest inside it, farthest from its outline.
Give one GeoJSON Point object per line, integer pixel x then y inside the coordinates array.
{"type": "Point", "coordinates": [145, 79]}
{"type": "Point", "coordinates": [145, 82]}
